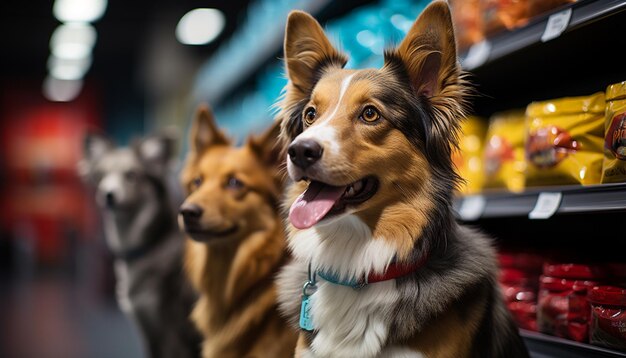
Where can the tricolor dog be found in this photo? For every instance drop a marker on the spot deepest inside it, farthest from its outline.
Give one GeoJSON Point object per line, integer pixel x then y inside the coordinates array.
{"type": "Point", "coordinates": [236, 242]}
{"type": "Point", "coordinates": [381, 268]}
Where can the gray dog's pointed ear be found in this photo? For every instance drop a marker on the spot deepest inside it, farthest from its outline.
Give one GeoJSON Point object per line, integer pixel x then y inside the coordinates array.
{"type": "Point", "coordinates": [94, 147]}
{"type": "Point", "coordinates": [158, 151]}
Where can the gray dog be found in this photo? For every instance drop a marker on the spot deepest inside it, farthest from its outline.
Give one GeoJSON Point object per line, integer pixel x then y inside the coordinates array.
{"type": "Point", "coordinates": [141, 232]}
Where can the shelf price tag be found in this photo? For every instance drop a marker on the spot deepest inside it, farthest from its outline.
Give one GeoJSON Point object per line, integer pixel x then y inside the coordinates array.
{"type": "Point", "coordinates": [557, 23]}
{"type": "Point", "coordinates": [547, 204]}
{"type": "Point", "coordinates": [477, 55]}
{"type": "Point", "coordinates": [472, 207]}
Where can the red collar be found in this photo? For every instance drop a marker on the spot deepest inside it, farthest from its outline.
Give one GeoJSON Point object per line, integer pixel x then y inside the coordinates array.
{"type": "Point", "coordinates": [395, 270]}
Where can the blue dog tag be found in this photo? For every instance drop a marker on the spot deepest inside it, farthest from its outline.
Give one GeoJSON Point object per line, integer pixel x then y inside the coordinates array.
{"type": "Point", "coordinates": [306, 320]}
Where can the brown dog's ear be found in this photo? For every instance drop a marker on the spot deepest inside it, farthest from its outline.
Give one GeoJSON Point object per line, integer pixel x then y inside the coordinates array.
{"type": "Point", "coordinates": [429, 52]}
{"type": "Point", "coordinates": [204, 131]}
{"type": "Point", "coordinates": [266, 145]}
{"type": "Point", "coordinates": [307, 51]}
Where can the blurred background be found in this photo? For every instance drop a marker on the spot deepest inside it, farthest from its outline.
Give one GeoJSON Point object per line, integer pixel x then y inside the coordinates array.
{"type": "Point", "coordinates": [128, 68]}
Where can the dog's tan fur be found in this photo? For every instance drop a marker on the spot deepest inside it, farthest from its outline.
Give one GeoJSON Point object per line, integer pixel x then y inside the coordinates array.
{"type": "Point", "coordinates": [449, 307]}
{"type": "Point", "coordinates": [236, 311]}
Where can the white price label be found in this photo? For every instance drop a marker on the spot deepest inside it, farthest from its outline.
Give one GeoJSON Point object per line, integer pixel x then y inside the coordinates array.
{"type": "Point", "coordinates": [557, 23]}
{"type": "Point", "coordinates": [472, 207]}
{"type": "Point", "coordinates": [477, 55]}
{"type": "Point", "coordinates": [547, 204]}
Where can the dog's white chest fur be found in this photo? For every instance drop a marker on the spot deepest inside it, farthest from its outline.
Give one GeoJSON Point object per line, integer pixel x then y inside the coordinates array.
{"type": "Point", "coordinates": [348, 322]}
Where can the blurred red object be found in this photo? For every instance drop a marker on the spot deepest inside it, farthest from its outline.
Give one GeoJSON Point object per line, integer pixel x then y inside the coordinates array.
{"type": "Point", "coordinates": [563, 307]}
{"type": "Point", "coordinates": [43, 200]}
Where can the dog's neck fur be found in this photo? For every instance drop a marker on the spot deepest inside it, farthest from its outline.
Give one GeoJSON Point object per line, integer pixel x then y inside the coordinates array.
{"type": "Point", "coordinates": [147, 225]}
{"type": "Point", "coordinates": [232, 295]}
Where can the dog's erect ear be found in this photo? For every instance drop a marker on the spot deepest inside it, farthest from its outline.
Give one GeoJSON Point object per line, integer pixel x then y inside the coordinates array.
{"type": "Point", "coordinates": [429, 51]}
{"type": "Point", "coordinates": [204, 131]}
{"type": "Point", "coordinates": [94, 147]}
{"type": "Point", "coordinates": [307, 51]}
{"type": "Point", "coordinates": [158, 151]}
{"type": "Point", "coordinates": [266, 145]}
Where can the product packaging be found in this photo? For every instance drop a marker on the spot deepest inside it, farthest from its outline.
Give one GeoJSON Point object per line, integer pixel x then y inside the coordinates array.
{"type": "Point", "coordinates": [498, 15]}
{"type": "Point", "coordinates": [564, 140]}
{"type": "Point", "coordinates": [563, 307]}
{"type": "Point", "coordinates": [467, 22]}
{"type": "Point", "coordinates": [608, 317]}
{"type": "Point", "coordinates": [469, 158]}
{"type": "Point", "coordinates": [614, 166]}
{"type": "Point", "coordinates": [504, 163]}
{"type": "Point", "coordinates": [519, 280]}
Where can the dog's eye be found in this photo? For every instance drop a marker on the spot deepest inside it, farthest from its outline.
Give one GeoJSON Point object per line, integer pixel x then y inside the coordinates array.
{"type": "Point", "coordinates": [196, 182]}
{"type": "Point", "coordinates": [131, 175]}
{"type": "Point", "coordinates": [370, 114]}
{"type": "Point", "coordinates": [309, 116]}
{"type": "Point", "coordinates": [234, 183]}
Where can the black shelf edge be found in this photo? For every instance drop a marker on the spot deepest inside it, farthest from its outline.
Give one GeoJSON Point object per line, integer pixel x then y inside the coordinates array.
{"type": "Point", "coordinates": [584, 12]}
{"type": "Point", "coordinates": [543, 345]}
{"type": "Point", "coordinates": [574, 200]}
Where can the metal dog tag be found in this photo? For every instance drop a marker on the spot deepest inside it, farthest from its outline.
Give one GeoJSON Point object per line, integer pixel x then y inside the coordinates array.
{"type": "Point", "coordinates": [306, 319]}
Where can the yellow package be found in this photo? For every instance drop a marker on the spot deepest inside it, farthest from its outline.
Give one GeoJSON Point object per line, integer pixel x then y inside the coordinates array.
{"type": "Point", "coordinates": [614, 166]}
{"type": "Point", "coordinates": [504, 164]}
{"type": "Point", "coordinates": [468, 159]}
{"type": "Point", "coordinates": [564, 141]}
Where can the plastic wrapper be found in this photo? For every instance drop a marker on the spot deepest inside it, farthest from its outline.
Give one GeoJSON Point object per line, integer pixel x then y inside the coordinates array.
{"type": "Point", "coordinates": [564, 310]}
{"type": "Point", "coordinates": [498, 15]}
{"type": "Point", "coordinates": [504, 163]}
{"type": "Point", "coordinates": [608, 317]}
{"type": "Point", "coordinates": [614, 165]}
{"type": "Point", "coordinates": [564, 141]}
{"type": "Point", "coordinates": [468, 159]}
{"type": "Point", "coordinates": [467, 22]}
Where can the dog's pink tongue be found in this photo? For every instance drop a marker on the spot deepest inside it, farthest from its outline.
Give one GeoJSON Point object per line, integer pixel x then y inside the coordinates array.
{"type": "Point", "coordinates": [314, 204]}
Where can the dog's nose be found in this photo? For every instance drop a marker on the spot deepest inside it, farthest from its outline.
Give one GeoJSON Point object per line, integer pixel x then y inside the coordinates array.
{"type": "Point", "coordinates": [191, 212]}
{"type": "Point", "coordinates": [109, 199]}
{"type": "Point", "coordinates": [304, 153]}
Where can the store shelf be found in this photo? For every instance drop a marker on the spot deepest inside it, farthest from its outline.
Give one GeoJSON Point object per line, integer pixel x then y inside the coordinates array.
{"type": "Point", "coordinates": [583, 13]}
{"type": "Point", "coordinates": [518, 67]}
{"type": "Point", "coordinates": [544, 346]}
{"type": "Point", "coordinates": [589, 199]}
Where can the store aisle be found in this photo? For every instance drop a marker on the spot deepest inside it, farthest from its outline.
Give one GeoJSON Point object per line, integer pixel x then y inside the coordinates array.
{"type": "Point", "coordinates": [52, 316]}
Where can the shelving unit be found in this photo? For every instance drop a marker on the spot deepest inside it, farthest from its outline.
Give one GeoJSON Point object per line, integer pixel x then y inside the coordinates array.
{"type": "Point", "coordinates": [542, 345]}
{"type": "Point", "coordinates": [515, 68]}
{"type": "Point", "coordinates": [574, 199]}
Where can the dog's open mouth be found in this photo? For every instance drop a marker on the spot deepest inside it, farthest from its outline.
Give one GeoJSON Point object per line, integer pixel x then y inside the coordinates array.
{"type": "Point", "coordinates": [203, 235]}
{"type": "Point", "coordinates": [320, 201]}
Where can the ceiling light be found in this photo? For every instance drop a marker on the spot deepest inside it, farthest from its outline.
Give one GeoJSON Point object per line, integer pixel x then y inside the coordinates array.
{"type": "Point", "coordinates": [79, 10]}
{"type": "Point", "coordinates": [200, 26]}
{"type": "Point", "coordinates": [73, 40]}
{"type": "Point", "coordinates": [57, 90]}
{"type": "Point", "coordinates": [68, 69]}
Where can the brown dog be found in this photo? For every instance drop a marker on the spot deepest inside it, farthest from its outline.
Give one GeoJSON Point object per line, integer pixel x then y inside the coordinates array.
{"type": "Point", "coordinates": [237, 242]}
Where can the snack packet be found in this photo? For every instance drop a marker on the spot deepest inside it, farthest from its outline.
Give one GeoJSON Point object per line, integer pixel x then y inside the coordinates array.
{"type": "Point", "coordinates": [564, 139]}
{"type": "Point", "coordinates": [504, 164]}
{"type": "Point", "coordinates": [614, 165]}
{"type": "Point", "coordinates": [468, 159]}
